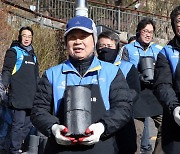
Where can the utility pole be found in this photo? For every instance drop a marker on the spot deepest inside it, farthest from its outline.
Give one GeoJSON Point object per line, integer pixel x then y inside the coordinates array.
{"type": "Point", "coordinates": [81, 8]}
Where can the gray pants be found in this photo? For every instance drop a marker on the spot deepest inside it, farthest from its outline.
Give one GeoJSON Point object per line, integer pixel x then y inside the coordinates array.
{"type": "Point", "coordinates": [139, 124]}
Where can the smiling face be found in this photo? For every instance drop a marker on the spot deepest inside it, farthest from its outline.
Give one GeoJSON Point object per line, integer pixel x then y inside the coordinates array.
{"type": "Point", "coordinates": [146, 34]}
{"type": "Point", "coordinates": [80, 44]}
{"type": "Point", "coordinates": [177, 25]}
{"type": "Point", "coordinates": [26, 37]}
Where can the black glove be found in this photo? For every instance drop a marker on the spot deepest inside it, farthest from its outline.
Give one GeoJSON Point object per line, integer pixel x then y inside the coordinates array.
{"type": "Point", "coordinates": [145, 83]}
{"type": "Point", "coordinates": [141, 77]}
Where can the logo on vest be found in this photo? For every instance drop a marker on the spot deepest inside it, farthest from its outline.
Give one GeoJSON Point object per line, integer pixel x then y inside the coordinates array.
{"type": "Point", "coordinates": [94, 81]}
{"type": "Point", "coordinates": [176, 55]}
{"type": "Point", "coordinates": [29, 62]}
{"type": "Point", "coordinates": [136, 53]}
{"type": "Point", "coordinates": [62, 86]}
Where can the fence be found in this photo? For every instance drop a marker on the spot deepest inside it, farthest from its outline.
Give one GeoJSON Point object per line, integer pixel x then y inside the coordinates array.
{"type": "Point", "coordinates": [60, 11]}
{"type": "Point", "coordinates": [120, 19]}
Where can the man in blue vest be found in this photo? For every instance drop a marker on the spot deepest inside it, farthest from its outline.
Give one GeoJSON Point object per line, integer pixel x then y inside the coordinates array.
{"type": "Point", "coordinates": [109, 99]}
{"type": "Point", "coordinates": [143, 54]}
{"type": "Point", "coordinates": [167, 85]}
{"type": "Point", "coordinates": [20, 75]}
{"type": "Point", "coordinates": [108, 50]}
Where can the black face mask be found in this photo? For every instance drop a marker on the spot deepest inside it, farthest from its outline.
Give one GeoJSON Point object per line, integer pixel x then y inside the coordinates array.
{"type": "Point", "coordinates": [107, 54]}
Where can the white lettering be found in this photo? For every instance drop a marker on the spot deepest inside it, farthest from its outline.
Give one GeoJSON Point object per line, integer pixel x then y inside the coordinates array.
{"type": "Point", "coordinates": [29, 62]}
{"type": "Point", "coordinates": [94, 99]}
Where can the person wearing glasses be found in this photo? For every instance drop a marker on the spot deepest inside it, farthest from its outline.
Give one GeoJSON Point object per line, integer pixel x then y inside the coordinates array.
{"type": "Point", "coordinates": [20, 76]}
{"type": "Point", "coordinates": [143, 54]}
{"type": "Point", "coordinates": [166, 87]}
{"type": "Point", "coordinates": [107, 47]}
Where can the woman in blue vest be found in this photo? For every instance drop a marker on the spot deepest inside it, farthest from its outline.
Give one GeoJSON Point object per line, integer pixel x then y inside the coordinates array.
{"type": "Point", "coordinates": [19, 75]}
{"type": "Point", "coordinates": [143, 54]}
{"type": "Point", "coordinates": [110, 102]}
{"type": "Point", "coordinates": [167, 85]}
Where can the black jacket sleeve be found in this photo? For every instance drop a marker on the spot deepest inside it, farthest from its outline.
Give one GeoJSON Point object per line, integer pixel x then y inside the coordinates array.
{"type": "Point", "coordinates": [133, 79]}
{"type": "Point", "coordinates": [42, 115]}
{"type": "Point", "coordinates": [163, 84]}
{"type": "Point", "coordinates": [134, 82]}
{"type": "Point", "coordinates": [8, 66]}
{"type": "Point", "coordinates": [120, 111]}
{"type": "Point", "coordinates": [125, 54]}
{"type": "Point", "coordinates": [37, 71]}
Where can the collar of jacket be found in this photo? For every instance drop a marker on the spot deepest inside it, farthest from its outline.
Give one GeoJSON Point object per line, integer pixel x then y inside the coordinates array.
{"type": "Point", "coordinates": [95, 66]}
{"type": "Point", "coordinates": [16, 43]}
{"type": "Point", "coordinates": [137, 44]}
{"type": "Point", "coordinates": [174, 43]}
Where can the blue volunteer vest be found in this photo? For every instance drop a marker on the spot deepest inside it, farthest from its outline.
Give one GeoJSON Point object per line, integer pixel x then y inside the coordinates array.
{"type": "Point", "coordinates": [172, 55]}
{"type": "Point", "coordinates": [65, 74]}
{"type": "Point", "coordinates": [125, 66]}
{"type": "Point", "coordinates": [20, 53]}
{"type": "Point", "coordinates": [23, 80]}
{"type": "Point", "coordinates": [135, 51]}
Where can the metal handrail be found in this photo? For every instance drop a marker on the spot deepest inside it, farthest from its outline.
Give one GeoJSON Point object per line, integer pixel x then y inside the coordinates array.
{"type": "Point", "coordinates": [33, 12]}
{"type": "Point", "coordinates": [114, 17]}
{"type": "Point", "coordinates": [127, 9]}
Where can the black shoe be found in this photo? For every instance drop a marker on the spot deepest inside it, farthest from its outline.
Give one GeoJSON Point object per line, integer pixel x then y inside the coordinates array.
{"type": "Point", "coordinates": [3, 152]}
{"type": "Point", "coordinates": [146, 150]}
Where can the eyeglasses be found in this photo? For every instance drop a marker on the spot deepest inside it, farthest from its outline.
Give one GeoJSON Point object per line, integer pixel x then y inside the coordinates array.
{"type": "Point", "coordinates": [145, 31]}
{"type": "Point", "coordinates": [107, 45]}
{"type": "Point", "coordinates": [177, 21]}
{"type": "Point", "coordinates": [25, 36]}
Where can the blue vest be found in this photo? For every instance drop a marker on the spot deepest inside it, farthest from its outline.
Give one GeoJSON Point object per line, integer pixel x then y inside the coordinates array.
{"type": "Point", "coordinates": [20, 53]}
{"type": "Point", "coordinates": [135, 51]}
{"type": "Point", "coordinates": [125, 66]}
{"type": "Point", "coordinates": [65, 74]}
{"type": "Point", "coordinates": [172, 55]}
